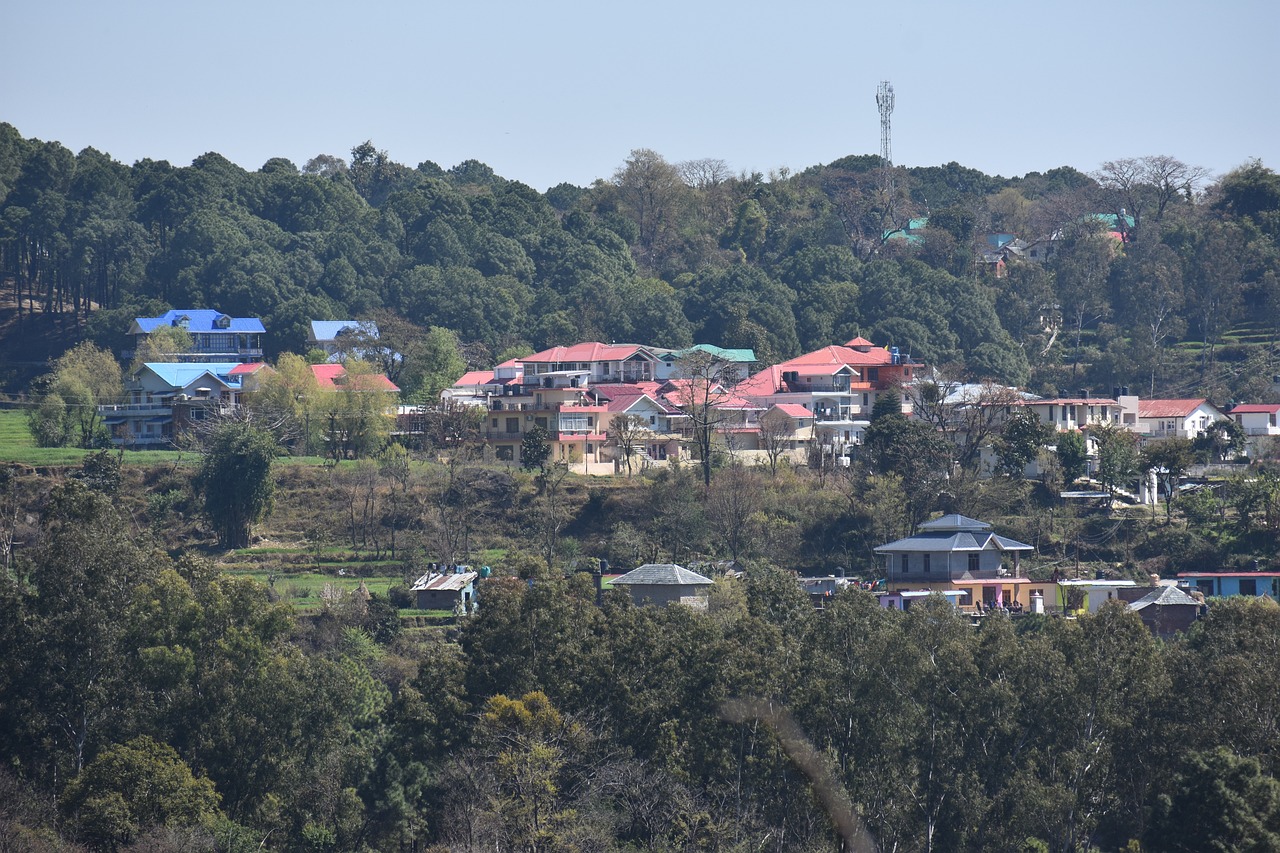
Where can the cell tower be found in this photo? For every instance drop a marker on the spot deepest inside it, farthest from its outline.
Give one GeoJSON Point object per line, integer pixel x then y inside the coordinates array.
{"type": "Point", "coordinates": [884, 100]}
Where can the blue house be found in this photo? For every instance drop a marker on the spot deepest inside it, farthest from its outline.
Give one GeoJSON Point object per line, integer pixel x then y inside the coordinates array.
{"type": "Point", "coordinates": [1222, 584]}
{"type": "Point", "coordinates": [215, 337]}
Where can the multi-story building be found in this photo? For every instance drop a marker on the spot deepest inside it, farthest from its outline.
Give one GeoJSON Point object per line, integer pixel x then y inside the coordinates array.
{"type": "Point", "coordinates": [838, 384]}
{"type": "Point", "coordinates": [163, 400]}
{"type": "Point", "coordinates": [215, 337]}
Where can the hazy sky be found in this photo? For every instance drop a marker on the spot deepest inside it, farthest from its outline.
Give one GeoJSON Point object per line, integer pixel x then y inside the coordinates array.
{"type": "Point", "coordinates": [546, 91]}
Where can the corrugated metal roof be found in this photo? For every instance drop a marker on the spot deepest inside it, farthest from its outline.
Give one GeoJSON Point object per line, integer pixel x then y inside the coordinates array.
{"type": "Point", "coordinates": [200, 320]}
{"type": "Point", "coordinates": [181, 374]}
{"type": "Point", "coordinates": [1168, 408]}
{"type": "Point", "coordinates": [445, 582]}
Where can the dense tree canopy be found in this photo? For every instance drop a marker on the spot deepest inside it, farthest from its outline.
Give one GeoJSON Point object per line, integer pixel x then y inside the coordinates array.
{"type": "Point", "coordinates": [663, 253]}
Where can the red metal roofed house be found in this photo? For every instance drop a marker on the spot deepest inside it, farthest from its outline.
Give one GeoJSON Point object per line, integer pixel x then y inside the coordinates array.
{"type": "Point", "coordinates": [1181, 418]}
{"type": "Point", "coordinates": [838, 384]}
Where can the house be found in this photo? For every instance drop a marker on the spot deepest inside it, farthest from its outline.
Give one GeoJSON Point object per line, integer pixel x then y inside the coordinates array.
{"type": "Point", "coordinates": [730, 366]}
{"type": "Point", "coordinates": [1085, 595]}
{"type": "Point", "coordinates": [1258, 420]}
{"type": "Point", "coordinates": [334, 337]}
{"type": "Point", "coordinates": [215, 337]}
{"type": "Point", "coordinates": [658, 584]}
{"type": "Point", "coordinates": [1222, 584]}
{"type": "Point", "coordinates": [1167, 610]}
{"type": "Point", "coordinates": [445, 590]}
{"type": "Point", "coordinates": [955, 552]}
{"type": "Point", "coordinates": [334, 377]}
{"type": "Point", "coordinates": [838, 384]}
{"type": "Point", "coordinates": [662, 423]}
{"type": "Point", "coordinates": [164, 399]}
{"type": "Point", "coordinates": [1070, 414]}
{"type": "Point", "coordinates": [1181, 418]}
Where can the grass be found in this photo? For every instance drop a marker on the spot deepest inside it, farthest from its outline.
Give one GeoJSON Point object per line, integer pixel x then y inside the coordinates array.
{"type": "Point", "coordinates": [304, 589]}
{"type": "Point", "coordinates": [13, 429]}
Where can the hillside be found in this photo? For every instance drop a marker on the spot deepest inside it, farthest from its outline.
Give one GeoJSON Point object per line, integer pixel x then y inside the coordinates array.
{"type": "Point", "coordinates": [1147, 277]}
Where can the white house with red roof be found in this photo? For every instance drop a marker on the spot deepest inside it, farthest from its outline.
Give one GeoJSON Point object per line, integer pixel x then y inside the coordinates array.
{"type": "Point", "coordinates": [1178, 418]}
{"type": "Point", "coordinates": [1258, 420]}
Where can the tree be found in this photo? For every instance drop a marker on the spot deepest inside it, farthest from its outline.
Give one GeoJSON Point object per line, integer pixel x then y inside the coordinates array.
{"type": "Point", "coordinates": [777, 432]}
{"type": "Point", "coordinates": [1117, 456]}
{"type": "Point", "coordinates": [359, 414]}
{"type": "Point", "coordinates": [132, 786]}
{"type": "Point", "coordinates": [235, 478]}
{"type": "Point", "coordinates": [1073, 455]}
{"type": "Point", "coordinates": [1221, 440]}
{"type": "Point", "coordinates": [652, 192]}
{"type": "Point", "coordinates": [1220, 801]}
{"type": "Point", "coordinates": [83, 379]}
{"type": "Point", "coordinates": [1149, 183]}
{"type": "Point", "coordinates": [1020, 441]}
{"type": "Point", "coordinates": [162, 344]}
{"type": "Point", "coordinates": [627, 433]}
{"type": "Point", "coordinates": [285, 400]}
{"type": "Point", "coordinates": [535, 448]}
{"type": "Point", "coordinates": [699, 396]}
{"type": "Point", "coordinates": [1169, 459]}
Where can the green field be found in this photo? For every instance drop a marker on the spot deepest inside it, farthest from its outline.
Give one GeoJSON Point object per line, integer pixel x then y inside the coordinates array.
{"type": "Point", "coordinates": [305, 589]}
{"type": "Point", "coordinates": [13, 430]}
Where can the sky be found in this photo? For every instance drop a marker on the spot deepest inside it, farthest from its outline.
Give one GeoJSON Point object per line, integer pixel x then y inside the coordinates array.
{"type": "Point", "coordinates": [560, 91]}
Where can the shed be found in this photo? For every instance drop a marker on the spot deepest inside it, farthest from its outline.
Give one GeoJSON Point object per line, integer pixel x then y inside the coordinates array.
{"type": "Point", "coordinates": [435, 591]}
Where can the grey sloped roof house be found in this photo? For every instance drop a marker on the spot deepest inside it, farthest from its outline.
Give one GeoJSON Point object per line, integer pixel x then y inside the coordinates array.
{"type": "Point", "coordinates": [665, 583]}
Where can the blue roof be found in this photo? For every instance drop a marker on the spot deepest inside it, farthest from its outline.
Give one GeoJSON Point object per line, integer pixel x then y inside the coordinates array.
{"type": "Point", "coordinates": [180, 375]}
{"type": "Point", "coordinates": [328, 330]}
{"type": "Point", "coordinates": [199, 320]}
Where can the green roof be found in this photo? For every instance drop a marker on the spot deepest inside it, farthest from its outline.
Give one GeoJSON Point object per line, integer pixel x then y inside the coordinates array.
{"type": "Point", "coordinates": [739, 355]}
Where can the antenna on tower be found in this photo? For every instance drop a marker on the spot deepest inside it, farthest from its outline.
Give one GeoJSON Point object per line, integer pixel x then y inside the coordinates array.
{"type": "Point", "coordinates": [884, 100]}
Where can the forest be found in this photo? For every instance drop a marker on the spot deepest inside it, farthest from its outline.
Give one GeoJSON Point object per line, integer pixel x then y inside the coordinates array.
{"type": "Point", "coordinates": [666, 254]}
{"type": "Point", "coordinates": [150, 702]}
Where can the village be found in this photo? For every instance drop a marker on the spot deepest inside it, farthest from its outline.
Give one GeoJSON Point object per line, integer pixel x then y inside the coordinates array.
{"type": "Point", "coordinates": [617, 410]}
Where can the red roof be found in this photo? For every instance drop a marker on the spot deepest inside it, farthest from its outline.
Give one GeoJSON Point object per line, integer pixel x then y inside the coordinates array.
{"type": "Point", "coordinates": [476, 377]}
{"type": "Point", "coordinates": [794, 410]}
{"type": "Point", "coordinates": [1243, 409]}
{"type": "Point", "coordinates": [859, 341]}
{"type": "Point", "coordinates": [1168, 408]}
{"type": "Point", "coordinates": [583, 352]}
{"type": "Point", "coordinates": [242, 369]}
{"type": "Point", "coordinates": [330, 376]}
{"type": "Point", "coordinates": [1229, 574]}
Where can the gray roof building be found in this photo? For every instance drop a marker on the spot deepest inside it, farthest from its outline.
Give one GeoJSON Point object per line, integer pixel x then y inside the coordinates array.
{"type": "Point", "coordinates": [665, 583]}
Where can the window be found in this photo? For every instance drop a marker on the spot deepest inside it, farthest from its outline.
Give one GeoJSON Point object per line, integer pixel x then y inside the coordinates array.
{"type": "Point", "coordinates": [542, 422]}
{"type": "Point", "coordinates": [513, 424]}
{"type": "Point", "coordinates": [504, 452]}
{"type": "Point", "coordinates": [495, 423]}
{"type": "Point", "coordinates": [906, 562]}
{"type": "Point", "coordinates": [973, 562]}
{"type": "Point", "coordinates": [1248, 586]}
{"type": "Point", "coordinates": [591, 448]}
{"type": "Point", "coordinates": [591, 421]}
{"type": "Point", "coordinates": [653, 420]}
{"type": "Point", "coordinates": [926, 562]}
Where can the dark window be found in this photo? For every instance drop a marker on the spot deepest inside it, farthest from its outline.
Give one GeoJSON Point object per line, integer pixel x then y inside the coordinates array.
{"type": "Point", "coordinates": [513, 424]}
{"type": "Point", "coordinates": [926, 562]}
{"type": "Point", "coordinates": [906, 563]}
{"type": "Point", "coordinates": [973, 562]}
{"type": "Point", "coordinates": [1248, 586]}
